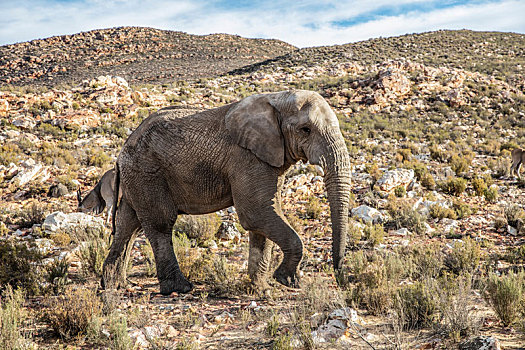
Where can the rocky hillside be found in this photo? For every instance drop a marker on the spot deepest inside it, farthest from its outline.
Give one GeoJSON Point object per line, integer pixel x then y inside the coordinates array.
{"type": "Point", "coordinates": [436, 237]}
{"type": "Point", "coordinates": [499, 54]}
{"type": "Point", "coordinates": [140, 55]}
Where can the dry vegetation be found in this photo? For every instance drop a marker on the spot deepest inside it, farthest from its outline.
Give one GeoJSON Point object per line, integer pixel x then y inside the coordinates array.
{"type": "Point", "coordinates": [441, 262]}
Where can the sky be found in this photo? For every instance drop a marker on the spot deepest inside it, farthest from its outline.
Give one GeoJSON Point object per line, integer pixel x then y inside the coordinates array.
{"type": "Point", "coordinates": [302, 23]}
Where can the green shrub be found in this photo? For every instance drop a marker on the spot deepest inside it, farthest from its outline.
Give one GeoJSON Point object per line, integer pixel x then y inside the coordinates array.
{"type": "Point", "coordinates": [19, 267]}
{"type": "Point", "coordinates": [400, 192]}
{"type": "Point", "coordinates": [94, 249]}
{"type": "Point", "coordinates": [457, 315]}
{"type": "Point", "coordinates": [403, 215]}
{"type": "Point", "coordinates": [438, 211]}
{"type": "Point", "coordinates": [479, 186]}
{"type": "Point", "coordinates": [12, 315]}
{"type": "Point", "coordinates": [463, 257]}
{"type": "Point", "coordinates": [202, 228]}
{"type": "Point", "coordinates": [374, 234]}
{"type": "Point", "coordinates": [515, 215]}
{"type": "Point", "coordinates": [491, 194]}
{"type": "Point", "coordinates": [70, 314]}
{"type": "Point", "coordinates": [462, 210]}
{"type": "Point", "coordinates": [314, 208]}
{"type": "Point", "coordinates": [9, 153]}
{"type": "Point", "coordinates": [416, 303]}
{"type": "Point", "coordinates": [118, 330]}
{"type": "Point", "coordinates": [427, 181]}
{"type": "Point", "coordinates": [57, 273]}
{"type": "Point", "coordinates": [505, 295]}
{"type": "Point", "coordinates": [427, 261]}
{"type": "Point", "coordinates": [459, 164]}
{"type": "Point", "coordinates": [454, 186]}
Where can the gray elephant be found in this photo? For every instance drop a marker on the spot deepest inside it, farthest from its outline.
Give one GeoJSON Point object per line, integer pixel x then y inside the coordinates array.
{"type": "Point", "coordinates": [232, 155]}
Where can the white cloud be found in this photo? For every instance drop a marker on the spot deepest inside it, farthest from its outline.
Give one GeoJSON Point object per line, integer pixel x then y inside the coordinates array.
{"type": "Point", "coordinates": [302, 23]}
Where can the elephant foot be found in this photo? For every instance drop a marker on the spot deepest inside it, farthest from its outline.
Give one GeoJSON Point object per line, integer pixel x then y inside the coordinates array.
{"type": "Point", "coordinates": [259, 286]}
{"type": "Point", "coordinates": [287, 279]}
{"type": "Point", "coordinates": [180, 286]}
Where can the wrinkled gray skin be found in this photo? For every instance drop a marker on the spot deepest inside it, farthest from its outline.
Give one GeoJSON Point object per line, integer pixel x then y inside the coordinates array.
{"type": "Point", "coordinates": [100, 197]}
{"type": "Point", "coordinates": [518, 156]}
{"type": "Point", "coordinates": [232, 155]}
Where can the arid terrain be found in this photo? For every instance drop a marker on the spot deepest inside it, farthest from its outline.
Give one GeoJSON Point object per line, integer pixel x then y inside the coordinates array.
{"type": "Point", "coordinates": [436, 238]}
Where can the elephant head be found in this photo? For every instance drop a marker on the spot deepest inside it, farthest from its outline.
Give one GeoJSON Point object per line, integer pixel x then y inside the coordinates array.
{"type": "Point", "coordinates": [285, 127]}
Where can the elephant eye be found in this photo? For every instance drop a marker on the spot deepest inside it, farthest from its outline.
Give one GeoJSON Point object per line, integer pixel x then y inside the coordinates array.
{"type": "Point", "coordinates": [305, 129]}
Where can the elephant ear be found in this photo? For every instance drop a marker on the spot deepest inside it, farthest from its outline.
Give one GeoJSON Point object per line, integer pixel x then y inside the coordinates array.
{"type": "Point", "coordinates": [253, 125]}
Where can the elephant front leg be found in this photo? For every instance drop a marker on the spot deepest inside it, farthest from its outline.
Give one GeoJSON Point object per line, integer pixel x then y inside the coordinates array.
{"type": "Point", "coordinates": [259, 260]}
{"type": "Point", "coordinates": [169, 274]}
{"type": "Point", "coordinates": [114, 268]}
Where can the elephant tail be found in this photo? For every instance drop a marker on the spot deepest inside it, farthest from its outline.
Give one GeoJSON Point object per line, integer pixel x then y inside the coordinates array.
{"type": "Point", "coordinates": [116, 189]}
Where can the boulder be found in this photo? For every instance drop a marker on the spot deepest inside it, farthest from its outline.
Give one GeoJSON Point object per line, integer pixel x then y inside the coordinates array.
{"type": "Point", "coordinates": [395, 178]}
{"type": "Point", "coordinates": [58, 221]}
{"type": "Point", "coordinates": [368, 214]}
{"type": "Point", "coordinates": [58, 190]}
{"type": "Point", "coordinates": [30, 171]}
{"type": "Point", "coordinates": [339, 323]}
{"type": "Point", "coordinates": [481, 343]}
{"type": "Point", "coordinates": [24, 122]}
{"type": "Point", "coordinates": [228, 232]}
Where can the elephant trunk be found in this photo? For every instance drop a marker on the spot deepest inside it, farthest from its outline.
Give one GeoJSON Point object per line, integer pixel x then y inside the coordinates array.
{"type": "Point", "coordinates": [336, 165]}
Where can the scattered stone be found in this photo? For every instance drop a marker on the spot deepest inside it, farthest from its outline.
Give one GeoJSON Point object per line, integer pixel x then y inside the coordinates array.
{"type": "Point", "coordinates": [57, 190]}
{"type": "Point", "coordinates": [402, 232]}
{"type": "Point", "coordinates": [481, 343]}
{"type": "Point", "coordinates": [29, 172]}
{"type": "Point", "coordinates": [368, 214]}
{"type": "Point", "coordinates": [228, 232]}
{"type": "Point", "coordinates": [395, 178]}
{"type": "Point", "coordinates": [58, 221]}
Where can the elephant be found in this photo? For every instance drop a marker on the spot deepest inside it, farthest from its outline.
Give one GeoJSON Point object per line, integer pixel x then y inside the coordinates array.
{"type": "Point", "coordinates": [237, 155]}
{"type": "Point", "coordinates": [100, 197]}
{"type": "Point", "coordinates": [518, 156]}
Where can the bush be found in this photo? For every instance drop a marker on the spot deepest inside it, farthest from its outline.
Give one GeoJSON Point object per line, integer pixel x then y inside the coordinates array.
{"type": "Point", "coordinates": [11, 317]}
{"type": "Point", "coordinates": [416, 304]}
{"type": "Point", "coordinates": [459, 164]}
{"type": "Point", "coordinates": [464, 257]}
{"type": "Point", "coordinates": [313, 208]}
{"type": "Point", "coordinates": [374, 234]}
{"type": "Point", "coordinates": [505, 295]}
{"type": "Point", "coordinates": [202, 228]}
{"type": "Point", "coordinates": [71, 314]}
{"type": "Point", "coordinates": [57, 273]}
{"type": "Point", "coordinates": [94, 249]}
{"type": "Point", "coordinates": [491, 194]}
{"type": "Point", "coordinates": [458, 317]}
{"type": "Point", "coordinates": [427, 181]}
{"type": "Point", "coordinates": [515, 215]}
{"type": "Point", "coordinates": [19, 267]}
{"type": "Point", "coordinates": [479, 186]}
{"type": "Point", "coordinates": [403, 215]}
{"type": "Point", "coordinates": [454, 186]}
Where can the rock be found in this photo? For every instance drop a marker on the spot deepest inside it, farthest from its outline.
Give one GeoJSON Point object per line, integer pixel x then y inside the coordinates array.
{"type": "Point", "coordinates": [58, 221]}
{"type": "Point", "coordinates": [395, 178]}
{"type": "Point", "coordinates": [368, 214]}
{"type": "Point", "coordinates": [339, 322]}
{"type": "Point", "coordinates": [228, 232]}
{"type": "Point", "coordinates": [31, 172]}
{"type": "Point", "coordinates": [24, 122]}
{"type": "Point", "coordinates": [512, 230]}
{"type": "Point", "coordinates": [4, 107]}
{"type": "Point", "coordinates": [449, 225]}
{"type": "Point", "coordinates": [481, 343]}
{"type": "Point", "coordinates": [57, 191]}
{"type": "Point", "coordinates": [402, 232]}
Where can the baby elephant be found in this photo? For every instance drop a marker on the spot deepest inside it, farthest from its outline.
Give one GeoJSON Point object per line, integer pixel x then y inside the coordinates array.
{"type": "Point", "coordinates": [518, 155]}
{"type": "Point", "coordinates": [100, 197]}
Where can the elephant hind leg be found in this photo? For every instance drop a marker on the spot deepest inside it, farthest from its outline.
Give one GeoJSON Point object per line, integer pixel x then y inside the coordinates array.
{"type": "Point", "coordinates": [127, 227]}
{"type": "Point", "coordinates": [259, 260]}
{"type": "Point", "coordinates": [169, 274]}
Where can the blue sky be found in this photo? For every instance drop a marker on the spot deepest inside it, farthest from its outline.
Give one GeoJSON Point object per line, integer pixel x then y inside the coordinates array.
{"type": "Point", "coordinates": [301, 23]}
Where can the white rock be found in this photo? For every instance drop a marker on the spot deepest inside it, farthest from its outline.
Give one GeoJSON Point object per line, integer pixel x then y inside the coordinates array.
{"type": "Point", "coordinates": [368, 214]}
{"type": "Point", "coordinates": [402, 232]}
{"type": "Point", "coordinates": [228, 232]}
{"type": "Point", "coordinates": [65, 222]}
{"type": "Point", "coordinates": [512, 230]}
{"type": "Point", "coordinates": [395, 178]}
{"type": "Point", "coordinates": [31, 172]}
